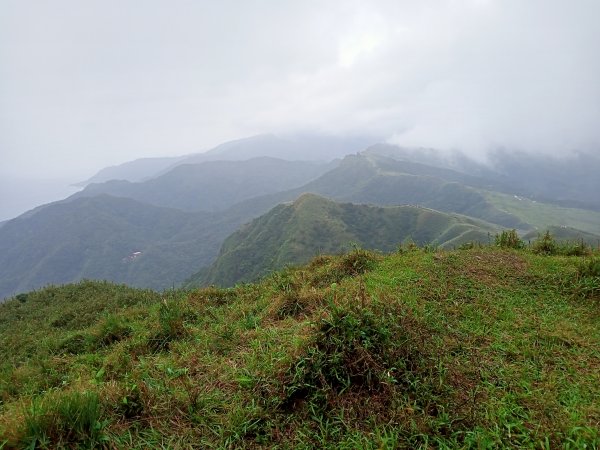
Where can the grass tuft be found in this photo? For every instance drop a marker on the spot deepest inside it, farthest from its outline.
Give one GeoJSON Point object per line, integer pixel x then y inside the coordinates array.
{"type": "Point", "coordinates": [354, 349]}
{"type": "Point", "coordinates": [72, 420]}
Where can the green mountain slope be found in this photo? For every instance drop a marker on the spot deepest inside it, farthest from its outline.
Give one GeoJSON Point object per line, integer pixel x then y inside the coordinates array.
{"type": "Point", "coordinates": [480, 348]}
{"type": "Point", "coordinates": [294, 233]}
{"type": "Point", "coordinates": [375, 179]}
{"type": "Point", "coordinates": [69, 240]}
{"type": "Point", "coordinates": [383, 181]}
{"type": "Point", "coordinates": [567, 180]}
{"type": "Point", "coordinates": [99, 238]}
{"type": "Point", "coordinates": [566, 234]}
{"type": "Point", "coordinates": [214, 185]}
{"type": "Point", "coordinates": [541, 215]}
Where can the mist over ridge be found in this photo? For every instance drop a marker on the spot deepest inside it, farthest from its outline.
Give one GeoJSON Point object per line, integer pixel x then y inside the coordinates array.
{"type": "Point", "coordinates": [106, 83]}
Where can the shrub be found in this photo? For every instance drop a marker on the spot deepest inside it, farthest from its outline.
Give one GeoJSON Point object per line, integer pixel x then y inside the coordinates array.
{"type": "Point", "coordinates": [296, 303]}
{"type": "Point", "coordinates": [588, 278]}
{"type": "Point", "coordinates": [545, 245]}
{"type": "Point", "coordinates": [407, 246]}
{"type": "Point", "coordinates": [285, 281]}
{"type": "Point", "coordinates": [356, 262]}
{"type": "Point", "coordinates": [353, 349]}
{"type": "Point", "coordinates": [589, 268]}
{"type": "Point", "coordinates": [64, 320]}
{"type": "Point", "coordinates": [509, 239]}
{"type": "Point", "coordinates": [171, 319]}
{"type": "Point", "coordinates": [575, 249]}
{"type": "Point", "coordinates": [131, 405]}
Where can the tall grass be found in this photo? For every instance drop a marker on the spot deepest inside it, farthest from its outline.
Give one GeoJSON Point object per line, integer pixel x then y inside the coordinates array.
{"type": "Point", "coordinates": [71, 420]}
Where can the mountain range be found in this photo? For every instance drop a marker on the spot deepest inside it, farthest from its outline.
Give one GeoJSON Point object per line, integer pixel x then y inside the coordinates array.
{"type": "Point", "coordinates": [157, 229]}
{"type": "Point", "coordinates": [213, 185]}
{"type": "Point", "coordinates": [306, 147]}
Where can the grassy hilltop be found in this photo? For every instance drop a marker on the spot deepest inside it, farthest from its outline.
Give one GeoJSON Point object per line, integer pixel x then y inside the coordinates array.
{"type": "Point", "coordinates": [294, 233]}
{"type": "Point", "coordinates": [475, 348]}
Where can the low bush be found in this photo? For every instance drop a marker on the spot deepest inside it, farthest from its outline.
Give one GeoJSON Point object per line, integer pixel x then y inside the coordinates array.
{"type": "Point", "coordinates": [575, 249]}
{"type": "Point", "coordinates": [589, 268]}
{"type": "Point", "coordinates": [509, 239]}
{"type": "Point", "coordinates": [356, 262]}
{"type": "Point", "coordinates": [213, 296]}
{"type": "Point", "coordinates": [353, 350]}
{"type": "Point", "coordinates": [297, 303]}
{"type": "Point", "coordinates": [545, 245]}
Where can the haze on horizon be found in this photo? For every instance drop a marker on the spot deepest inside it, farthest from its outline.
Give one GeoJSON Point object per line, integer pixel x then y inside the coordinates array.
{"type": "Point", "coordinates": [84, 85]}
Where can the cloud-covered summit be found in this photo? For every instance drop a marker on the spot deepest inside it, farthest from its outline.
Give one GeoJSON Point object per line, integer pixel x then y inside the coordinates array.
{"type": "Point", "coordinates": [87, 84]}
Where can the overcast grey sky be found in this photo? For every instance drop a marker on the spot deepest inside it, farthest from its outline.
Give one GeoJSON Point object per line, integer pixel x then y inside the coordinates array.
{"type": "Point", "coordinates": [85, 84]}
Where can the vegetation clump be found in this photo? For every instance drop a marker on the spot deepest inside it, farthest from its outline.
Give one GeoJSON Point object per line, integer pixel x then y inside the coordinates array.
{"type": "Point", "coordinates": [297, 303]}
{"type": "Point", "coordinates": [213, 295]}
{"type": "Point", "coordinates": [588, 278]}
{"type": "Point", "coordinates": [509, 239]}
{"type": "Point", "coordinates": [578, 248]}
{"type": "Point", "coordinates": [113, 329]}
{"type": "Point", "coordinates": [354, 349]}
{"type": "Point", "coordinates": [171, 320]}
{"type": "Point", "coordinates": [352, 264]}
{"type": "Point", "coordinates": [72, 421]}
{"type": "Point", "coordinates": [545, 245]}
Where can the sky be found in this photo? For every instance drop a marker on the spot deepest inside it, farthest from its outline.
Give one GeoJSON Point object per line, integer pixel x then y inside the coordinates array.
{"type": "Point", "coordinates": [84, 85]}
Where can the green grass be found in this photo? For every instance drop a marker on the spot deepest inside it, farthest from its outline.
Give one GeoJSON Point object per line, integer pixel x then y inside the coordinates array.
{"type": "Point", "coordinates": [70, 420]}
{"type": "Point", "coordinates": [540, 215]}
{"type": "Point", "coordinates": [476, 348]}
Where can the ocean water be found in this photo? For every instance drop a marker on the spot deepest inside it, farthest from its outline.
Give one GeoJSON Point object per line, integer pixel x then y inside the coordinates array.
{"type": "Point", "coordinates": [19, 195]}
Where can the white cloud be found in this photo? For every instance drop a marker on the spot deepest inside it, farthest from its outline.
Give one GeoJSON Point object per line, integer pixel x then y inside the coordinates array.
{"type": "Point", "coordinates": [87, 84]}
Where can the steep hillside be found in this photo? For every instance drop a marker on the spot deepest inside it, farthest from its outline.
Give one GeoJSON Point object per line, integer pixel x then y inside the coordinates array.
{"type": "Point", "coordinates": [386, 182]}
{"type": "Point", "coordinates": [568, 180]}
{"type": "Point", "coordinates": [214, 185]}
{"type": "Point", "coordinates": [541, 215]}
{"type": "Point", "coordinates": [375, 179]}
{"type": "Point", "coordinates": [106, 238]}
{"type": "Point", "coordinates": [571, 180]}
{"type": "Point", "coordinates": [566, 234]}
{"type": "Point", "coordinates": [294, 233]}
{"type": "Point", "coordinates": [480, 348]}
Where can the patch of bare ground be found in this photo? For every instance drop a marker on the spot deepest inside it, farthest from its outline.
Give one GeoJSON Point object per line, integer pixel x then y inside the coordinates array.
{"type": "Point", "coordinates": [491, 268]}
